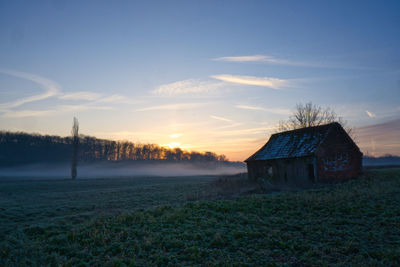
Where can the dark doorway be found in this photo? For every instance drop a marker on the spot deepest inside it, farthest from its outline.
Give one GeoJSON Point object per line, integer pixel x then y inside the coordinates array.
{"type": "Point", "coordinates": [311, 176]}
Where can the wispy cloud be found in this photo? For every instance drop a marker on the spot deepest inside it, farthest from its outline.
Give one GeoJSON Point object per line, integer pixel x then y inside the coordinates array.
{"type": "Point", "coordinates": [115, 98]}
{"type": "Point", "coordinates": [220, 118]}
{"type": "Point", "coordinates": [26, 113]}
{"type": "Point", "coordinates": [96, 101]}
{"type": "Point", "coordinates": [186, 87]}
{"type": "Point", "coordinates": [96, 97]}
{"type": "Point", "coordinates": [370, 114]}
{"type": "Point", "coordinates": [232, 125]}
{"type": "Point", "coordinates": [81, 96]}
{"type": "Point", "coordinates": [270, 110]}
{"type": "Point", "coordinates": [379, 139]}
{"type": "Point", "coordinates": [286, 62]}
{"type": "Point", "coordinates": [200, 87]}
{"type": "Point", "coordinates": [249, 107]}
{"type": "Point", "coordinates": [273, 83]}
{"type": "Point", "coordinates": [380, 130]}
{"type": "Point", "coordinates": [249, 131]}
{"type": "Point", "coordinates": [51, 89]}
{"type": "Point", "coordinates": [262, 58]}
{"type": "Point", "coordinates": [179, 106]}
{"type": "Point", "coordinates": [82, 107]}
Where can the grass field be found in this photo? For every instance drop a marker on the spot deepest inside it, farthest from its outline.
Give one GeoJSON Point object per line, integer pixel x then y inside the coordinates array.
{"type": "Point", "coordinates": [153, 221]}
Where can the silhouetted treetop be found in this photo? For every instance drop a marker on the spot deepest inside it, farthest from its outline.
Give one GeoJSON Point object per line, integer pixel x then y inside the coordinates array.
{"type": "Point", "coordinates": [309, 114]}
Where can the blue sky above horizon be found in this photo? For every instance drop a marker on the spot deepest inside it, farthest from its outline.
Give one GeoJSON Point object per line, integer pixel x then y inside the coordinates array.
{"type": "Point", "coordinates": [204, 75]}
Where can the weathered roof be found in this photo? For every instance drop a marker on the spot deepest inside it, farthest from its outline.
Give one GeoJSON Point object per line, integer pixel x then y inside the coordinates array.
{"type": "Point", "coordinates": [293, 144]}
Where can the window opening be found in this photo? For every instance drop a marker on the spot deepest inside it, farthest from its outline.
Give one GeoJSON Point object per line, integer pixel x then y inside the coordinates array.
{"type": "Point", "coordinates": [311, 176]}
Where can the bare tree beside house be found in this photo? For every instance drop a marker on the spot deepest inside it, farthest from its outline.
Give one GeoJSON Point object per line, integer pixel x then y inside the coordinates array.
{"type": "Point", "coordinates": [309, 115]}
{"type": "Point", "coordinates": [75, 145]}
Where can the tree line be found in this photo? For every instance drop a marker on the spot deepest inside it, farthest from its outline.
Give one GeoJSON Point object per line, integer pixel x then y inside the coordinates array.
{"type": "Point", "coordinates": [17, 148]}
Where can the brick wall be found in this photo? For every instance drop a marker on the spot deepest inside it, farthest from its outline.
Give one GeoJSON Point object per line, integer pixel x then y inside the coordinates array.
{"type": "Point", "coordinates": [338, 157]}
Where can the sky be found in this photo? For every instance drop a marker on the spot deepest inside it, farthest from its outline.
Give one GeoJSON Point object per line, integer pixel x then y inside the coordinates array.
{"type": "Point", "coordinates": [201, 75]}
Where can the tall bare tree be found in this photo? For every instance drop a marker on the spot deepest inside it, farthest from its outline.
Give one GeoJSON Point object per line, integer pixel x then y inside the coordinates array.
{"type": "Point", "coordinates": [75, 145]}
{"type": "Point", "coordinates": [308, 115]}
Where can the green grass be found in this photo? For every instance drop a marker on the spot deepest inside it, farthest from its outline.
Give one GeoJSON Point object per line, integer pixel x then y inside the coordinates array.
{"type": "Point", "coordinates": [353, 223]}
{"type": "Point", "coordinates": [25, 203]}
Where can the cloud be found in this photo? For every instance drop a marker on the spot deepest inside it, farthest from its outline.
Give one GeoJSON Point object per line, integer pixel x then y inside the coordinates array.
{"type": "Point", "coordinates": [379, 139]}
{"type": "Point", "coordinates": [51, 89]}
{"type": "Point", "coordinates": [26, 113]}
{"type": "Point", "coordinates": [261, 58]}
{"type": "Point", "coordinates": [225, 81]}
{"type": "Point", "coordinates": [370, 114]}
{"type": "Point", "coordinates": [249, 131]}
{"type": "Point", "coordinates": [190, 86]}
{"type": "Point", "coordinates": [220, 118]}
{"type": "Point", "coordinates": [81, 96]}
{"type": "Point", "coordinates": [65, 108]}
{"type": "Point", "coordinates": [115, 98]}
{"type": "Point", "coordinates": [273, 83]}
{"type": "Point", "coordinates": [271, 110]}
{"type": "Point", "coordinates": [179, 106]}
{"type": "Point", "coordinates": [249, 107]}
{"type": "Point", "coordinates": [380, 130]}
{"type": "Point", "coordinates": [233, 125]}
{"type": "Point", "coordinates": [280, 61]}
{"type": "Point", "coordinates": [96, 97]}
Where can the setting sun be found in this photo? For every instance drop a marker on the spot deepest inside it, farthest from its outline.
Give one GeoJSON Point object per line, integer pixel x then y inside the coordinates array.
{"type": "Point", "coordinates": [172, 145]}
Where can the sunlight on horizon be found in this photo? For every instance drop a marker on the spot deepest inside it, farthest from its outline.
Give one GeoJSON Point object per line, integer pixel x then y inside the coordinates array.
{"type": "Point", "coordinates": [173, 145]}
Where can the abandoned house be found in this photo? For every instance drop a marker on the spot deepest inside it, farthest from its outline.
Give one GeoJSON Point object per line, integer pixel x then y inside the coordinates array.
{"type": "Point", "coordinates": [315, 154]}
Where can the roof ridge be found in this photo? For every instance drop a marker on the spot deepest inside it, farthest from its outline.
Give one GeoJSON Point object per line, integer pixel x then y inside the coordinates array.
{"type": "Point", "coordinates": [307, 128]}
{"type": "Point", "coordinates": [295, 143]}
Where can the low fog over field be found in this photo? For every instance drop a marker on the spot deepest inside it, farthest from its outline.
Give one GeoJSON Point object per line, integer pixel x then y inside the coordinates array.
{"type": "Point", "coordinates": [388, 160]}
{"type": "Point", "coordinates": [109, 170]}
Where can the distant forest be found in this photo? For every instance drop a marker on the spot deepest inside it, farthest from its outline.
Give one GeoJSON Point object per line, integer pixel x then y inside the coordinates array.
{"type": "Point", "coordinates": [23, 148]}
{"type": "Point", "coordinates": [381, 161]}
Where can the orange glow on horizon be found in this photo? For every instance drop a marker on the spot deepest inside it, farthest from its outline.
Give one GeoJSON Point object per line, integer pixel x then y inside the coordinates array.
{"type": "Point", "coordinates": [173, 145]}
